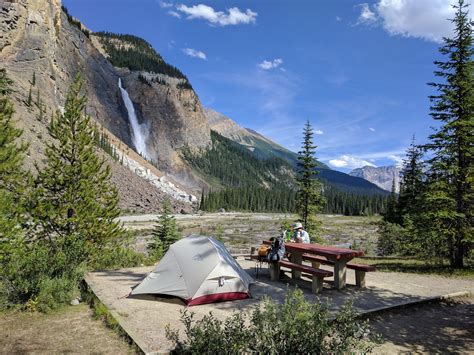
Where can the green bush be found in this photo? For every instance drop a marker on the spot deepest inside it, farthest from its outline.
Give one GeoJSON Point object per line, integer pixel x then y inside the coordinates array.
{"type": "Point", "coordinates": [56, 292]}
{"type": "Point", "coordinates": [390, 235]}
{"type": "Point", "coordinates": [119, 257]}
{"type": "Point", "coordinates": [296, 327]}
{"type": "Point", "coordinates": [164, 234]}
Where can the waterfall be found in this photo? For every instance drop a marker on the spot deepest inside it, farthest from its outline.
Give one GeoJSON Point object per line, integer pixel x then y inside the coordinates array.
{"type": "Point", "coordinates": [139, 131]}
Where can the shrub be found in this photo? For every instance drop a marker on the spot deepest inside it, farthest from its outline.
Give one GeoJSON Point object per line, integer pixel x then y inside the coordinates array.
{"type": "Point", "coordinates": [390, 235]}
{"type": "Point", "coordinates": [56, 292]}
{"type": "Point", "coordinates": [37, 278]}
{"type": "Point", "coordinates": [118, 257]}
{"type": "Point", "coordinates": [164, 234]}
{"type": "Point", "coordinates": [296, 327]}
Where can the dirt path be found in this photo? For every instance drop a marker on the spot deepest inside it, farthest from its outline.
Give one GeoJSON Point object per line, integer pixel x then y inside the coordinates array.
{"type": "Point", "coordinates": [446, 327]}
{"type": "Point", "coordinates": [71, 330]}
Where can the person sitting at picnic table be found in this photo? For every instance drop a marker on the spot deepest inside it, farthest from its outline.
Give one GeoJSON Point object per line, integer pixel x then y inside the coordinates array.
{"type": "Point", "coordinates": [299, 235]}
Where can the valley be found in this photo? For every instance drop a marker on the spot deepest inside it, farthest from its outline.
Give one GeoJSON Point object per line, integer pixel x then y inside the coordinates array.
{"type": "Point", "coordinates": [150, 113]}
{"type": "Point", "coordinates": [240, 231]}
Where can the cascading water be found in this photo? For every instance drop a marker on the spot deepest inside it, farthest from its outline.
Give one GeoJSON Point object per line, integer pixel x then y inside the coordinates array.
{"type": "Point", "coordinates": [139, 131]}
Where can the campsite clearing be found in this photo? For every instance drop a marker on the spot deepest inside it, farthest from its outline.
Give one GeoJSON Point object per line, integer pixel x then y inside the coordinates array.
{"type": "Point", "coordinates": [145, 319]}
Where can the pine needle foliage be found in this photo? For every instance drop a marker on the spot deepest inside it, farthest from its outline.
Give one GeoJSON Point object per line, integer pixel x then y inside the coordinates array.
{"type": "Point", "coordinates": [77, 203]}
{"type": "Point", "coordinates": [165, 232]}
{"type": "Point", "coordinates": [449, 198]}
{"type": "Point", "coordinates": [310, 200]}
{"type": "Point", "coordinates": [412, 182]}
{"type": "Point", "coordinates": [12, 177]}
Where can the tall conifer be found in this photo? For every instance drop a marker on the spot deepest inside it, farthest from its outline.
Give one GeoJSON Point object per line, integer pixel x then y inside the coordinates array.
{"type": "Point", "coordinates": [12, 177]}
{"type": "Point", "coordinates": [310, 200]}
{"type": "Point", "coordinates": [77, 202]}
{"type": "Point", "coordinates": [449, 196]}
{"type": "Point", "coordinates": [411, 183]}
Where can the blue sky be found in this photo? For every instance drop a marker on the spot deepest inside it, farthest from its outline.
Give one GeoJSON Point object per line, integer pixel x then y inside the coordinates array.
{"type": "Point", "coordinates": [356, 70]}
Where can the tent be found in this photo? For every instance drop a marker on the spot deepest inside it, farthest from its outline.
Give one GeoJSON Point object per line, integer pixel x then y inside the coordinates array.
{"type": "Point", "coordinates": [199, 270]}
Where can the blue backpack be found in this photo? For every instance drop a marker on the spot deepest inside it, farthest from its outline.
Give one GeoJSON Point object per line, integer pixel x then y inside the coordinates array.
{"type": "Point", "coordinates": [277, 250]}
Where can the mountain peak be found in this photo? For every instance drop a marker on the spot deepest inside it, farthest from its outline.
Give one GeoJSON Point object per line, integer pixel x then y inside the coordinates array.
{"type": "Point", "coordinates": [382, 176]}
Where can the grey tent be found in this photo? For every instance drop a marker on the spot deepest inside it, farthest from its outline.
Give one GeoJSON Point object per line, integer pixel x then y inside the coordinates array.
{"type": "Point", "coordinates": [199, 270]}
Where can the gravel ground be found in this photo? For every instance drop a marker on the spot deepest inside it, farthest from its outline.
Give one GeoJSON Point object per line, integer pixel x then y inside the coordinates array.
{"type": "Point", "coordinates": [446, 327]}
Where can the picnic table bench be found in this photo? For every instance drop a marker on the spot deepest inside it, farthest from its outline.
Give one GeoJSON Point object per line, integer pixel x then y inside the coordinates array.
{"type": "Point", "coordinates": [316, 274]}
{"type": "Point", "coordinates": [338, 256]}
{"type": "Point", "coordinates": [360, 269]}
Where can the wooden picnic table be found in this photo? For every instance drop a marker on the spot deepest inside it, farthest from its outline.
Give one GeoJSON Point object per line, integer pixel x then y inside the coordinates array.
{"type": "Point", "coordinates": [339, 256]}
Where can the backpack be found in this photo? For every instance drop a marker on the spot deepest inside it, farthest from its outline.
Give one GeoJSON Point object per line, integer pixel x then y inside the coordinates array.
{"type": "Point", "coordinates": [277, 250]}
{"type": "Point", "coordinates": [263, 251]}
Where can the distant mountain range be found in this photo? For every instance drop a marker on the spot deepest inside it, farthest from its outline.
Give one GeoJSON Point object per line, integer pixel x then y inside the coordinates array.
{"type": "Point", "coordinates": [265, 148]}
{"type": "Point", "coordinates": [132, 93]}
{"type": "Point", "coordinates": [382, 176]}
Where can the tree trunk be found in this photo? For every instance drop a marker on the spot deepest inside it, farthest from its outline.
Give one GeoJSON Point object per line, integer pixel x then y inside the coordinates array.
{"type": "Point", "coordinates": [458, 261]}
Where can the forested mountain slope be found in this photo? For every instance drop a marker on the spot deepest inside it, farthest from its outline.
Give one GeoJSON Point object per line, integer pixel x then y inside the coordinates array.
{"type": "Point", "coordinates": [43, 47]}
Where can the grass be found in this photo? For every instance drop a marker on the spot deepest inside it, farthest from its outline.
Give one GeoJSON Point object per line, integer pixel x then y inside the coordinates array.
{"type": "Point", "coordinates": [70, 329]}
{"type": "Point", "coordinates": [412, 265]}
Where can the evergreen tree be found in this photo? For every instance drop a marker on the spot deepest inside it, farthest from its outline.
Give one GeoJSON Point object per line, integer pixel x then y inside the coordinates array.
{"type": "Point", "coordinates": [12, 177]}
{"type": "Point", "coordinates": [309, 196]}
{"type": "Point", "coordinates": [449, 196]}
{"type": "Point", "coordinates": [165, 232]}
{"type": "Point", "coordinates": [411, 183]}
{"type": "Point", "coordinates": [29, 100]}
{"type": "Point", "coordinates": [76, 202]}
{"type": "Point", "coordinates": [38, 99]}
{"type": "Point", "coordinates": [392, 215]}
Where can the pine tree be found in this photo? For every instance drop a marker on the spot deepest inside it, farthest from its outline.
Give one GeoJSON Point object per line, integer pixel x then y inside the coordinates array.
{"type": "Point", "coordinates": [38, 99]}
{"type": "Point", "coordinates": [29, 100]}
{"type": "Point", "coordinates": [411, 183]}
{"type": "Point", "coordinates": [449, 196]}
{"type": "Point", "coordinates": [309, 196]}
{"type": "Point", "coordinates": [165, 232]}
{"type": "Point", "coordinates": [77, 202]}
{"type": "Point", "coordinates": [12, 178]}
{"type": "Point", "coordinates": [391, 214]}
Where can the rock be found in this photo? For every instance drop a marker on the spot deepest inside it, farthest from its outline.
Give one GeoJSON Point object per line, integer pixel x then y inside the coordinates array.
{"type": "Point", "coordinates": [75, 302]}
{"type": "Point", "coordinates": [382, 176]}
{"type": "Point", "coordinates": [221, 210]}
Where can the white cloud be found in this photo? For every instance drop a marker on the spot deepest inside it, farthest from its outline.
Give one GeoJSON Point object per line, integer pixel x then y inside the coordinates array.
{"type": "Point", "coordinates": [218, 18]}
{"type": "Point", "coordinates": [318, 132]}
{"type": "Point", "coordinates": [366, 16]}
{"type": "Point", "coordinates": [271, 64]}
{"type": "Point", "coordinates": [195, 53]}
{"type": "Point", "coordinates": [346, 161]}
{"type": "Point", "coordinates": [165, 5]}
{"type": "Point", "coordinates": [371, 129]}
{"type": "Point", "coordinates": [426, 19]}
{"type": "Point", "coordinates": [397, 159]}
{"type": "Point", "coordinates": [174, 14]}
{"type": "Point", "coordinates": [338, 19]}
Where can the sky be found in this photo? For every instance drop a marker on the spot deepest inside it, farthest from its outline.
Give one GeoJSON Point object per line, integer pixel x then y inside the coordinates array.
{"type": "Point", "coordinates": [358, 71]}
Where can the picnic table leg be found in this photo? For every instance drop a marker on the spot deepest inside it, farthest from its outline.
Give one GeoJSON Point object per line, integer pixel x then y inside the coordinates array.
{"type": "Point", "coordinates": [296, 258]}
{"type": "Point", "coordinates": [340, 274]}
{"type": "Point", "coordinates": [317, 285]}
{"type": "Point", "coordinates": [274, 271]}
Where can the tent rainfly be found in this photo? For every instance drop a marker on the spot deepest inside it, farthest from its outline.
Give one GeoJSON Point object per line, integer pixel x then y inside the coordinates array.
{"type": "Point", "coordinates": [199, 270]}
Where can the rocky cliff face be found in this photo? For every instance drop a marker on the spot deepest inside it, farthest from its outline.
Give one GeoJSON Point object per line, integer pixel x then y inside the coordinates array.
{"type": "Point", "coordinates": [43, 48]}
{"type": "Point", "coordinates": [173, 115]}
{"type": "Point", "coordinates": [382, 176]}
{"type": "Point", "coordinates": [38, 41]}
